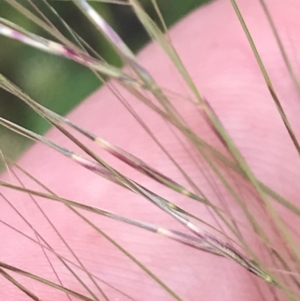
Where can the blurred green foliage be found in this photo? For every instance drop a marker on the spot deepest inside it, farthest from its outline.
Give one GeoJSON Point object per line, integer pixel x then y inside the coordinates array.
{"type": "Point", "coordinates": [58, 83]}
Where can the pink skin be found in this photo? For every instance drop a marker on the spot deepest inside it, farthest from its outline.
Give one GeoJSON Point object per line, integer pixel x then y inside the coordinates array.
{"type": "Point", "coordinates": [215, 51]}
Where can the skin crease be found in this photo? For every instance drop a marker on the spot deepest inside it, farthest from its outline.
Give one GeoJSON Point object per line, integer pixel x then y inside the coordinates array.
{"type": "Point", "coordinates": [215, 51]}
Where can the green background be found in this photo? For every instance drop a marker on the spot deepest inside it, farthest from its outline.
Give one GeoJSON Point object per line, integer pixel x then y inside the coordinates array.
{"type": "Point", "coordinates": [57, 83]}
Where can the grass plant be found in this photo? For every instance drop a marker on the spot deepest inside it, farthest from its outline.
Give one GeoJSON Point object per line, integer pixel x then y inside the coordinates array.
{"type": "Point", "coordinates": [256, 237]}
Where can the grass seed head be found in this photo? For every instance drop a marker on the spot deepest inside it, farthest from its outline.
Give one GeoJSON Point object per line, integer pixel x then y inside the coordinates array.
{"type": "Point", "coordinates": [180, 174]}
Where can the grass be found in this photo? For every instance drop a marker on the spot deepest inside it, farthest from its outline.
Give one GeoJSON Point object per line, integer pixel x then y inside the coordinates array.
{"type": "Point", "coordinates": [36, 72]}
{"type": "Point", "coordinates": [224, 168]}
